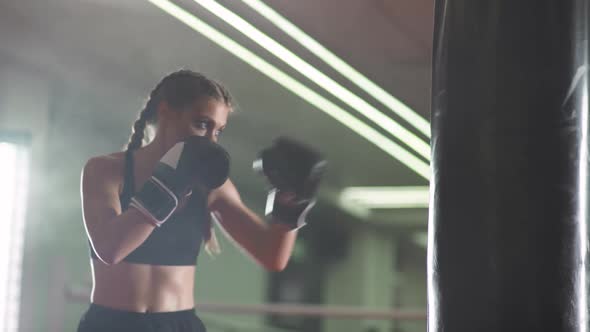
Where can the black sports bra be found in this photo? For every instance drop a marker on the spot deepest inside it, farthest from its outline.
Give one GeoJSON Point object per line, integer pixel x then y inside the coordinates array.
{"type": "Point", "coordinates": [178, 241]}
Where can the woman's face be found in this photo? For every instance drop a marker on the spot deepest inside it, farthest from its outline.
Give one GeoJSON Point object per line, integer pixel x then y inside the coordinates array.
{"type": "Point", "coordinates": [206, 117]}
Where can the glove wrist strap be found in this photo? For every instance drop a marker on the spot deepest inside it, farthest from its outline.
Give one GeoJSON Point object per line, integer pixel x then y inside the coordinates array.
{"type": "Point", "coordinates": [291, 214]}
{"type": "Point", "coordinates": [156, 201]}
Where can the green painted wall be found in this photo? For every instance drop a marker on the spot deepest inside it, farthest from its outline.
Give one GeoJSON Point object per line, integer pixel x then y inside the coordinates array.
{"type": "Point", "coordinates": [364, 279]}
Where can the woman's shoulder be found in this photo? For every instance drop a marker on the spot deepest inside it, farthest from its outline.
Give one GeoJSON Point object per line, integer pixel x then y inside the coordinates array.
{"type": "Point", "coordinates": [108, 167]}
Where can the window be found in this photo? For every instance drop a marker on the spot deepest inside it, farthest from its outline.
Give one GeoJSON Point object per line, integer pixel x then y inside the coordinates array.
{"type": "Point", "coordinates": [14, 173]}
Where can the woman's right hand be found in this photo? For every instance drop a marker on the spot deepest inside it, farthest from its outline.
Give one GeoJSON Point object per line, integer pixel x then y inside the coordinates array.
{"type": "Point", "coordinates": [196, 161]}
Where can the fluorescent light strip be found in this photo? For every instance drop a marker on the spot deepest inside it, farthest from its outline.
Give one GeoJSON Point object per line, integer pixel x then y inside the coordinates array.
{"type": "Point", "coordinates": [340, 66]}
{"type": "Point", "coordinates": [323, 104]}
{"type": "Point", "coordinates": [386, 197]}
{"type": "Point", "coordinates": [333, 87]}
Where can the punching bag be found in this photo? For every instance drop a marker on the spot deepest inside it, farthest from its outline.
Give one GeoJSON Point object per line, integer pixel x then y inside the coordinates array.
{"type": "Point", "coordinates": [508, 239]}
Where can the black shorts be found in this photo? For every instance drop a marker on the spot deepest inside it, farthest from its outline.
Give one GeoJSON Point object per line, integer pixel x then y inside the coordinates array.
{"type": "Point", "coordinates": [104, 319]}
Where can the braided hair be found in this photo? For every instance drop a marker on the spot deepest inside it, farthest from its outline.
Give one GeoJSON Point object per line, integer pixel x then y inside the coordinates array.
{"type": "Point", "coordinates": [179, 89]}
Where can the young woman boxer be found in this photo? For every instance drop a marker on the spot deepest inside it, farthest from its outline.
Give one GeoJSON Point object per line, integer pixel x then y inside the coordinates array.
{"type": "Point", "coordinates": [147, 210]}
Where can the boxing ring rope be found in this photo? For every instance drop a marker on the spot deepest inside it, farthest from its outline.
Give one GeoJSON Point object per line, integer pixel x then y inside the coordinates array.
{"type": "Point", "coordinates": [62, 293]}
{"type": "Point", "coordinates": [285, 309]}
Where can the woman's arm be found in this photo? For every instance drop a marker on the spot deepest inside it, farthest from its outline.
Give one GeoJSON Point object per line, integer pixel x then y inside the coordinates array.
{"type": "Point", "coordinates": [113, 234]}
{"type": "Point", "coordinates": [270, 244]}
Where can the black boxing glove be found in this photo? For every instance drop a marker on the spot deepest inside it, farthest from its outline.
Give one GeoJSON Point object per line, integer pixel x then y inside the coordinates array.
{"type": "Point", "coordinates": [294, 171]}
{"type": "Point", "coordinates": [194, 162]}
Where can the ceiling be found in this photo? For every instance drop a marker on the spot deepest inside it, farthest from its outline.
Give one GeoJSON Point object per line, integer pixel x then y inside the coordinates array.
{"type": "Point", "coordinates": [122, 48]}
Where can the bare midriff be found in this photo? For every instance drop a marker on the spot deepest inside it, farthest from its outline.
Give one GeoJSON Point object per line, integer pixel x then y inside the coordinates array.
{"type": "Point", "coordinates": [142, 287]}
